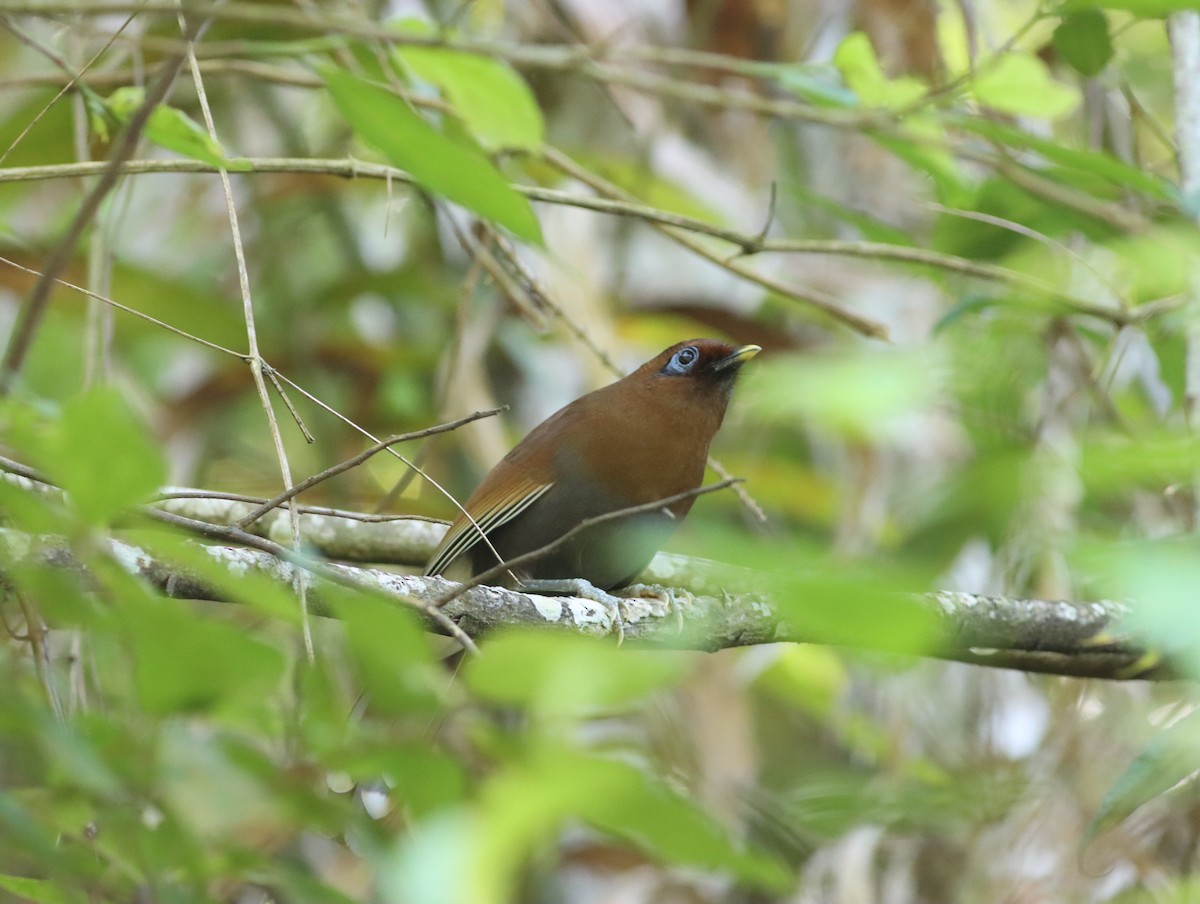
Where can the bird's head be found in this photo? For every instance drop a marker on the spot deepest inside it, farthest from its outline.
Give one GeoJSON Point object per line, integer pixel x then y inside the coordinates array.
{"type": "Point", "coordinates": [704, 364]}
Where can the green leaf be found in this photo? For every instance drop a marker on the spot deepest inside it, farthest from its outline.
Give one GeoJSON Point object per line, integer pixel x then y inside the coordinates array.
{"type": "Point", "coordinates": [561, 672]}
{"type": "Point", "coordinates": [1170, 758]}
{"type": "Point", "coordinates": [391, 652]}
{"type": "Point", "coordinates": [39, 891]}
{"type": "Point", "coordinates": [1096, 163]}
{"type": "Point", "coordinates": [187, 662]}
{"type": "Point", "coordinates": [524, 805]}
{"type": "Point", "coordinates": [855, 57]}
{"type": "Point", "coordinates": [419, 779]}
{"type": "Point", "coordinates": [437, 163]}
{"type": "Point", "coordinates": [172, 129]}
{"type": "Point", "coordinates": [1020, 84]}
{"type": "Point", "coordinates": [1082, 39]}
{"type": "Point", "coordinates": [1156, 263]}
{"type": "Point", "coordinates": [1146, 9]}
{"type": "Point", "coordinates": [811, 678]}
{"type": "Point", "coordinates": [493, 100]}
{"type": "Point", "coordinates": [1162, 576]}
{"type": "Point", "coordinates": [426, 866]}
{"type": "Point", "coordinates": [103, 456]}
{"type": "Point", "coordinates": [210, 788]}
{"type": "Point", "coordinates": [860, 394]}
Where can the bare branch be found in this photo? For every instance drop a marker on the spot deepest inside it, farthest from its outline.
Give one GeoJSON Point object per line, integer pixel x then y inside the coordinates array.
{"type": "Point", "coordinates": [357, 460]}
{"type": "Point", "coordinates": [1060, 638]}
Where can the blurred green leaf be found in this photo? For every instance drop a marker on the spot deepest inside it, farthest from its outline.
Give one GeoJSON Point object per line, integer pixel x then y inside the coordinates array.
{"type": "Point", "coordinates": [1082, 40]}
{"type": "Point", "coordinates": [523, 805]}
{"type": "Point", "coordinates": [856, 395]}
{"type": "Point", "coordinates": [1085, 160]}
{"type": "Point", "coordinates": [426, 867]}
{"type": "Point", "coordinates": [1146, 9]}
{"type": "Point", "coordinates": [1157, 263]}
{"type": "Point", "coordinates": [855, 57]}
{"type": "Point", "coordinates": [831, 599]}
{"type": "Point", "coordinates": [559, 672]}
{"type": "Point", "coordinates": [419, 779]}
{"type": "Point", "coordinates": [1159, 578]}
{"type": "Point", "coordinates": [439, 164]}
{"type": "Point", "coordinates": [391, 652]}
{"type": "Point", "coordinates": [1020, 84]}
{"type": "Point", "coordinates": [211, 793]}
{"type": "Point", "coordinates": [102, 455]}
{"type": "Point", "coordinates": [1112, 465]}
{"type": "Point", "coordinates": [187, 662]}
{"type": "Point", "coordinates": [494, 101]}
{"type": "Point", "coordinates": [235, 584]}
{"type": "Point", "coordinates": [1171, 758]}
{"type": "Point", "coordinates": [40, 891]}
{"type": "Point", "coordinates": [173, 129]}
{"type": "Point", "coordinates": [811, 678]}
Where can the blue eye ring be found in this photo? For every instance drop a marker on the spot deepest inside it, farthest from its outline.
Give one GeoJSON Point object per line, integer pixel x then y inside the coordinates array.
{"type": "Point", "coordinates": [682, 361]}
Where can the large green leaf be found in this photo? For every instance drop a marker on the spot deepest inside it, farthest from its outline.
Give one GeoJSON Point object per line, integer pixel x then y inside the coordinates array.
{"type": "Point", "coordinates": [187, 662]}
{"type": "Point", "coordinates": [524, 805]}
{"type": "Point", "coordinates": [437, 163]}
{"type": "Point", "coordinates": [561, 672]}
{"type": "Point", "coordinates": [493, 100]}
{"type": "Point", "coordinates": [390, 652]}
{"type": "Point", "coordinates": [102, 455]}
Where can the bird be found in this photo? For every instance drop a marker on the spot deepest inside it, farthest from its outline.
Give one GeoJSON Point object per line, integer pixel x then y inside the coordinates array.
{"type": "Point", "coordinates": [639, 440]}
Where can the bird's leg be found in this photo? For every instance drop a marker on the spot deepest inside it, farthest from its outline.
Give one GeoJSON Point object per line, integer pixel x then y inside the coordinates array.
{"type": "Point", "coordinates": [662, 592]}
{"type": "Point", "coordinates": [583, 589]}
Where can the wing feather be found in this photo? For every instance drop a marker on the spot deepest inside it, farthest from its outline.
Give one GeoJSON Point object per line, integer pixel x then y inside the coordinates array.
{"type": "Point", "coordinates": [489, 512]}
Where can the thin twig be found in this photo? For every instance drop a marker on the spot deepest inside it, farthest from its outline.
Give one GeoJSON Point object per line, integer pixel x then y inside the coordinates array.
{"type": "Point", "coordinates": [274, 378]}
{"type": "Point", "coordinates": [256, 362]}
{"type": "Point", "coordinates": [358, 459]}
{"type": "Point", "coordinates": [406, 461]}
{"type": "Point", "coordinates": [746, 243]}
{"type": "Point", "coordinates": [301, 561]}
{"type": "Point", "coordinates": [128, 310]}
{"type": "Point", "coordinates": [35, 633]}
{"type": "Point", "coordinates": [818, 300]}
{"type": "Point", "coordinates": [72, 77]}
{"type": "Point", "coordinates": [34, 308]}
{"type": "Point", "coordinates": [363, 517]}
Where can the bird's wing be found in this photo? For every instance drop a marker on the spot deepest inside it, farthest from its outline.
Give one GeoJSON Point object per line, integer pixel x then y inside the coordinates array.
{"type": "Point", "coordinates": [489, 512]}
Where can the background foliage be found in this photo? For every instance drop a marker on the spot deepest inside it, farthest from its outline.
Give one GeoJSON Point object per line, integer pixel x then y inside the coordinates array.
{"type": "Point", "coordinates": [957, 230]}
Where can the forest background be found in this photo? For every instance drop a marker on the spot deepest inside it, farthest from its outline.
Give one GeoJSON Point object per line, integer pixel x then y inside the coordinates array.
{"type": "Point", "coordinates": [241, 242]}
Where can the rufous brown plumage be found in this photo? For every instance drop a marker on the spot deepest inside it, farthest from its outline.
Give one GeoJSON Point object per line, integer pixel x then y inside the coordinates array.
{"type": "Point", "coordinates": [635, 441]}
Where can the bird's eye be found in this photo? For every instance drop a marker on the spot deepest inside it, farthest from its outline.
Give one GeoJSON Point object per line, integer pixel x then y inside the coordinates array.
{"type": "Point", "coordinates": [681, 362]}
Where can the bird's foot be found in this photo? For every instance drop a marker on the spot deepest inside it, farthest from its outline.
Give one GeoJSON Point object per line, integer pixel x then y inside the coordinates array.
{"type": "Point", "coordinates": [670, 595]}
{"type": "Point", "coordinates": [584, 590]}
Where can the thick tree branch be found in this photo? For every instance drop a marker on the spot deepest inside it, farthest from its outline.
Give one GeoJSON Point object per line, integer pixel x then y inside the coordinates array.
{"type": "Point", "coordinates": [1062, 638]}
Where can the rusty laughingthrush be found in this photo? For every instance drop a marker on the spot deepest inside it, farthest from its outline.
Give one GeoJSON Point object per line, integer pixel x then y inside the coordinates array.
{"type": "Point", "coordinates": [633, 442]}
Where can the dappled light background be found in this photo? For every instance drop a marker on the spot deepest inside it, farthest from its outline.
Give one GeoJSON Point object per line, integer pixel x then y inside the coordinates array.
{"type": "Point", "coordinates": [1007, 419]}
